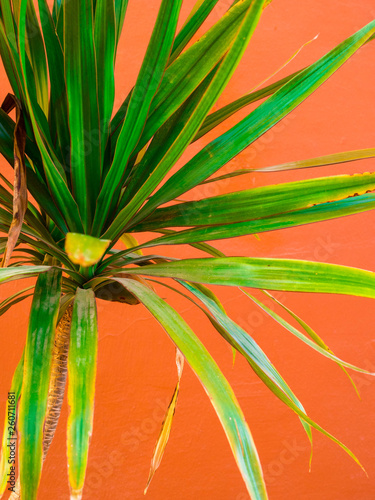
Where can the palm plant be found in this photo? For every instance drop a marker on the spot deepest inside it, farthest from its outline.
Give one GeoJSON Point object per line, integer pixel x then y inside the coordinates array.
{"type": "Point", "coordinates": [96, 179]}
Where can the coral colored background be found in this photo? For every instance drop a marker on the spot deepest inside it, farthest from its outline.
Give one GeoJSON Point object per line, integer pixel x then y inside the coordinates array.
{"type": "Point", "coordinates": [136, 368]}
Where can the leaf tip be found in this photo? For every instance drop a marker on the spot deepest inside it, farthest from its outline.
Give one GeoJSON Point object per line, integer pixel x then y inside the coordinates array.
{"type": "Point", "coordinates": [85, 250]}
{"type": "Point", "coordinates": [76, 495]}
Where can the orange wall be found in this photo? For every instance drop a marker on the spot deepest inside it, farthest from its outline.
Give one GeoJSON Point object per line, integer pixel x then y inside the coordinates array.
{"type": "Point", "coordinates": [136, 370]}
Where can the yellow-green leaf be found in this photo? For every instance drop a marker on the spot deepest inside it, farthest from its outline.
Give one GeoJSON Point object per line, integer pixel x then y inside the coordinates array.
{"type": "Point", "coordinates": [130, 242]}
{"type": "Point", "coordinates": [9, 443]}
{"type": "Point", "coordinates": [81, 390]}
{"type": "Point", "coordinates": [36, 375]}
{"type": "Point", "coordinates": [85, 250]}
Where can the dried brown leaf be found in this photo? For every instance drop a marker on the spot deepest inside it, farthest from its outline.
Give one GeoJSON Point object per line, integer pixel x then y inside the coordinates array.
{"type": "Point", "coordinates": [167, 423]}
{"type": "Point", "coordinates": [20, 185]}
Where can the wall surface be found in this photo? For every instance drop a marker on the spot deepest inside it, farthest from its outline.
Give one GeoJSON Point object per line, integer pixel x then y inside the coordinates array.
{"type": "Point", "coordinates": [136, 367]}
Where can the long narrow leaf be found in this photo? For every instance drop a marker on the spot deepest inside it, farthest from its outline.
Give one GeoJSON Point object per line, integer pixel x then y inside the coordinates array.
{"type": "Point", "coordinates": [270, 274]}
{"type": "Point", "coordinates": [245, 344]}
{"type": "Point", "coordinates": [215, 384]}
{"type": "Point", "coordinates": [35, 185]}
{"type": "Point", "coordinates": [8, 42]}
{"type": "Point", "coordinates": [173, 149]}
{"type": "Point", "coordinates": [261, 365]}
{"type": "Point", "coordinates": [37, 56]}
{"type": "Point", "coordinates": [53, 169]}
{"type": "Point", "coordinates": [9, 302]}
{"type": "Point", "coordinates": [321, 212]}
{"type": "Point", "coordinates": [321, 161]}
{"type": "Point", "coordinates": [81, 388]}
{"type": "Point", "coordinates": [105, 47]}
{"type": "Point", "coordinates": [316, 346]}
{"type": "Point", "coordinates": [83, 113]}
{"type": "Point", "coordinates": [147, 83]}
{"type": "Point", "coordinates": [167, 423]}
{"type": "Point", "coordinates": [260, 202]}
{"type": "Point", "coordinates": [56, 9]}
{"type": "Point", "coordinates": [120, 9]}
{"type": "Point", "coordinates": [58, 110]}
{"type": "Point", "coordinates": [20, 184]}
{"type": "Point", "coordinates": [38, 359]}
{"type": "Point", "coordinates": [165, 135]}
{"type": "Point", "coordinates": [312, 334]}
{"type": "Point", "coordinates": [9, 442]}
{"type": "Point", "coordinates": [220, 151]}
{"type": "Point", "coordinates": [187, 72]}
{"type": "Point", "coordinates": [214, 119]}
{"type": "Point", "coordinates": [15, 273]}
{"type": "Point", "coordinates": [198, 15]}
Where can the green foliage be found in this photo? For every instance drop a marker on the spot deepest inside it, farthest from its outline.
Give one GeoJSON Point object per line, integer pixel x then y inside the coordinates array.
{"type": "Point", "coordinates": [36, 376]}
{"type": "Point", "coordinates": [96, 180]}
{"type": "Point", "coordinates": [82, 370]}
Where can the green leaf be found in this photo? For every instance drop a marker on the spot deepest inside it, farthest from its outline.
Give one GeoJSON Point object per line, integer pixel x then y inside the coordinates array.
{"type": "Point", "coordinates": [198, 15]}
{"type": "Point", "coordinates": [85, 250]}
{"type": "Point", "coordinates": [318, 345]}
{"type": "Point", "coordinates": [53, 169]}
{"type": "Point", "coordinates": [32, 216]}
{"type": "Point", "coordinates": [16, 273]}
{"type": "Point", "coordinates": [120, 10]}
{"type": "Point", "coordinates": [34, 184]}
{"type": "Point", "coordinates": [8, 43]}
{"type": "Point", "coordinates": [37, 56]}
{"type": "Point", "coordinates": [165, 136]}
{"type": "Point", "coordinates": [312, 334]}
{"type": "Point", "coordinates": [58, 17]}
{"type": "Point", "coordinates": [105, 47]}
{"type": "Point", "coordinates": [40, 242]}
{"type": "Point", "coordinates": [40, 191]}
{"type": "Point", "coordinates": [6, 136]}
{"type": "Point", "coordinates": [58, 109]}
{"type": "Point", "coordinates": [318, 213]}
{"type": "Point", "coordinates": [9, 442]}
{"type": "Point", "coordinates": [81, 389]}
{"type": "Point", "coordinates": [9, 302]}
{"type": "Point", "coordinates": [259, 202]}
{"type": "Point", "coordinates": [214, 382]}
{"type": "Point", "coordinates": [173, 149]}
{"type": "Point", "coordinates": [9, 56]}
{"type": "Point", "coordinates": [187, 72]}
{"type": "Point", "coordinates": [7, 18]}
{"type": "Point", "coordinates": [270, 274]}
{"type": "Point", "coordinates": [223, 149]}
{"type": "Point", "coordinates": [36, 374]}
{"type": "Point", "coordinates": [214, 119]}
{"type": "Point", "coordinates": [192, 67]}
{"type": "Point", "coordinates": [83, 113]}
{"type": "Point", "coordinates": [56, 9]}
{"type": "Point", "coordinates": [321, 161]}
{"type": "Point", "coordinates": [147, 84]}
{"type": "Point", "coordinates": [46, 248]}
{"type": "Point", "coordinates": [242, 342]}
{"type": "Point", "coordinates": [245, 344]}
{"type": "Point", "coordinates": [209, 249]}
